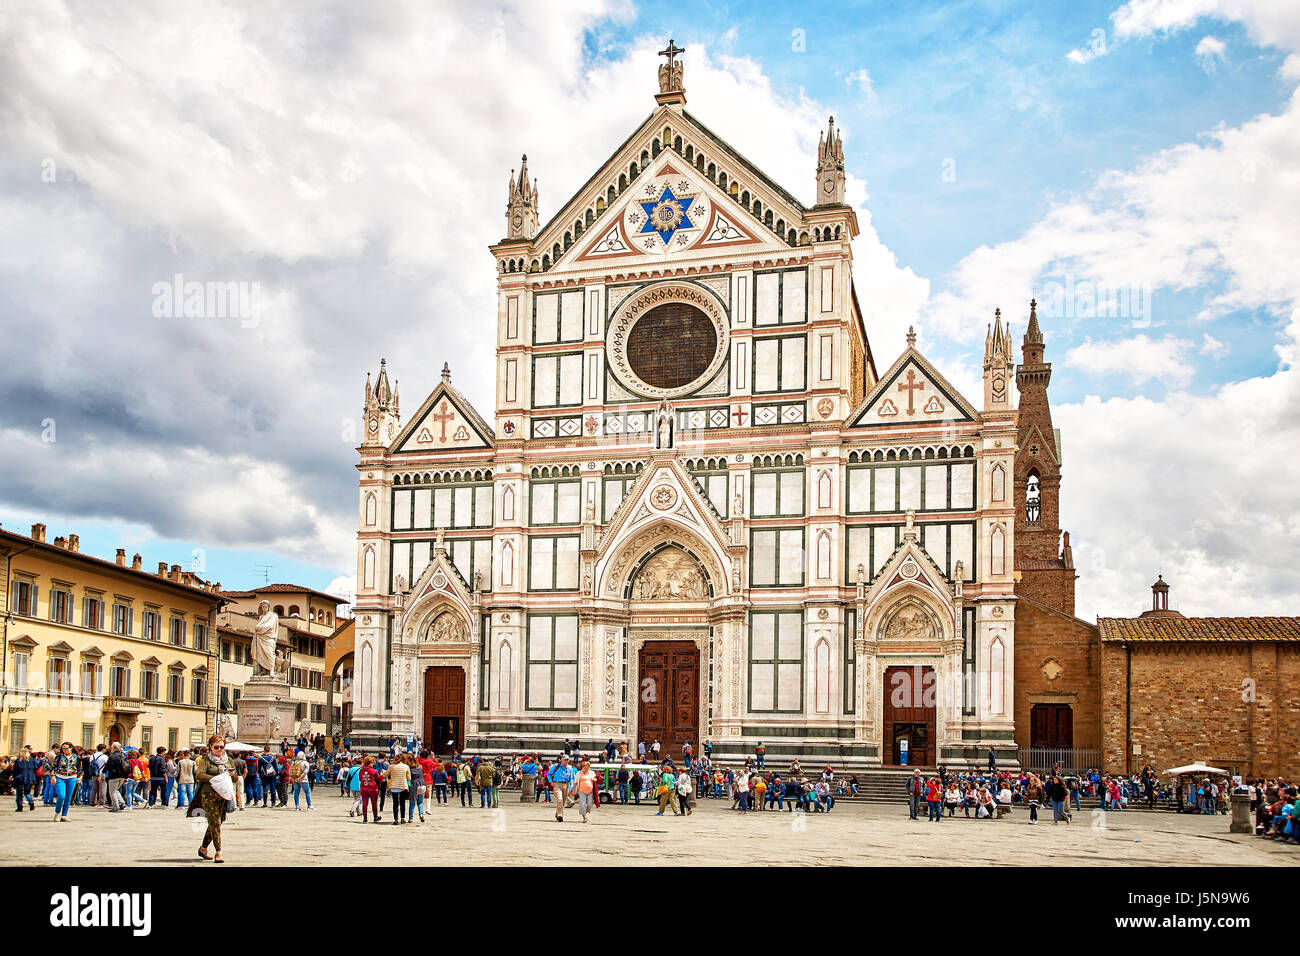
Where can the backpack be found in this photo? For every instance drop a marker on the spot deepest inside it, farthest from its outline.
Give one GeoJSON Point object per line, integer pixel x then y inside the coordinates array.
{"type": "Point", "coordinates": [136, 772]}
{"type": "Point", "coordinates": [295, 772]}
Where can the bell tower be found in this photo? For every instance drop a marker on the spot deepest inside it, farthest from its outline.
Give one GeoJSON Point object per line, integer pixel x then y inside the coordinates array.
{"type": "Point", "coordinates": [1043, 556]}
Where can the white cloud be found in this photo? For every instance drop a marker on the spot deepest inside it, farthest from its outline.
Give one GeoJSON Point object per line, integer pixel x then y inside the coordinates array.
{"type": "Point", "coordinates": [1140, 358]}
{"type": "Point", "coordinates": [1213, 347]}
{"type": "Point", "coordinates": [1094, 48]}
{"type": "Point", "coordinates": [1268, 22]}
{"type": "Point", "coordinates": [1189, 485]}
{"type": "Point", "coordinates": [1210, 52]}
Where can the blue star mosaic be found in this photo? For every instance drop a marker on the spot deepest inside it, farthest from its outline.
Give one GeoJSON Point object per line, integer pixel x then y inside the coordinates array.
{"type": "Point", "coordinates": [667, 214]}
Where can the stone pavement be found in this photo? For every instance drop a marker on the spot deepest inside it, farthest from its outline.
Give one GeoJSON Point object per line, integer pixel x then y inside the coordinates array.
{"type": "Point", "coordinates": [527, 833]}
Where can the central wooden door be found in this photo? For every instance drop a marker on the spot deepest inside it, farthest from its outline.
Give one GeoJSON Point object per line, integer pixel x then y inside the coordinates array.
{"type": "Point", "coordinates": [909, 712]}
{"type": "Point", "coordinates": [669, 696]}
{"type": "Point", "coordinates": [1051, 725]}
{"type": "Point", "coordinates": [444, 709]}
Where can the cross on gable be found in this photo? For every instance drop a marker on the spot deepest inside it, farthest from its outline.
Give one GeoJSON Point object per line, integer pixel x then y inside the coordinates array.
{"type": "Point", "coordinates": [442, 417]}
{"type": "Point", "coordinates": [910, 388]}
{"type": "Point", "coordinates": [671, 52]}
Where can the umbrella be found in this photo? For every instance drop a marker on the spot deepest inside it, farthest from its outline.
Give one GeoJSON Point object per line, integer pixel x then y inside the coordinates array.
{"type": "Point", "coordinates": [1194, 768]}
{"type": "Point", "coordinates": [234, 746]}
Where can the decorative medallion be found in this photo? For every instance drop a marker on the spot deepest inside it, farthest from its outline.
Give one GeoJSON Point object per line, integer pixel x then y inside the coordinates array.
{"type": "Point", "coordinates": [663, 497]}
{"type": "Point", "coordinates": [997, 612]}
{"type": "Point", "coordinates": [823, 614]}
{"type": "Point", "coordinates": [825, 407]}
{"type": "Point", "coordinates": [666, 215]}
{"type": "Point", "coordinates": [439, 580]}
{"type": "Point", "coordinates": [505, 618]}
{"type": "Point", "coordinates": [909, 569]}
{"type": "Point", "coordinates": [1052, 668]}
{"type": "Point", "coordinates": [508, 428]}
{"type": "Point", "coordinates": [668, 339]}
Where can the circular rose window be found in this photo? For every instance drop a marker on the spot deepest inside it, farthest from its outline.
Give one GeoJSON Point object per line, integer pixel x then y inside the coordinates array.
{"type": "Point", "coordinates": [671, 345]}
{"type": "Point", "coordinates": [668, 340]}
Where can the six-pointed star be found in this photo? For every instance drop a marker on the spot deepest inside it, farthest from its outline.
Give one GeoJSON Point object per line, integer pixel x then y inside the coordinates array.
{"type": "Point", "coordinates": [667, 214]}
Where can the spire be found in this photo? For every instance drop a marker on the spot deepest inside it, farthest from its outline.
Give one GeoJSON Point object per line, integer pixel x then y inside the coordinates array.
{"type": "Point", "coordinates": [997, 345]}
{"type": "Point", "coordinates": [830, 167]}
{"type": "Point", "coordinates": [446, 373]}
{"type": "Point", "coordinates": [383, 393]}
{"type": "Point", "coordinates": [911, 337]}
{"type": "Point", "coordinates": [521, 205]}
{"type": "Point", "coordinates": [368, 390]}
{"type": "Point", "coordinates": [1033, 334]}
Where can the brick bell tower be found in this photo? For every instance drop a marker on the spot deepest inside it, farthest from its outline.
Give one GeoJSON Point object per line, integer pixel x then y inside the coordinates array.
{"type": "Point", "coordinates": [1044, 562]}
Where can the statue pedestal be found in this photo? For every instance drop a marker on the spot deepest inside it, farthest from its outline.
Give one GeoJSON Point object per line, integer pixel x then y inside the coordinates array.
{"type": "Point", "coordinates": [266, 712]}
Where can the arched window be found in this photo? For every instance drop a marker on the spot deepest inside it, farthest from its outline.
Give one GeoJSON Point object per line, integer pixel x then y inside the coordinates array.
{"type": "Point", "coordinates": [293, 611]}
{"type": "Point", "coordinates": [371, 510]}
{"type": "Point", "coordinates": [1033, 499]}
{"type": "Point", "coordinates": [823, 555]}
{"type": "Point", "coordinates": [999, 483]}
{"type": "Point", "coordinates": [507, 565]}
{"type": "Point", "coordinates": [997, 551]}
{"type": "Point", "coordinates": [824, 490]}
{"type": "Point", "coordinates": [822, 677]}
{"type": "Point", "coordinates": [508, 504]}
{"type": "Point", "coordinates": [997, 677]}
{"type": "Point", "coordinates": [368, 568]}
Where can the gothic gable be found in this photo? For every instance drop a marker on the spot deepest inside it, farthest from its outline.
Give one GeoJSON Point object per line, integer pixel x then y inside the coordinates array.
{"type": "Point", "coordinates": [671, 211]}
{"type": "Point", "coordinates": [1037, 448]}
{"type": "Point", "coordinates": [439, 588]}
{"type": "Point", "coordinates": [446, 420]}
{"type": "Point", "coordinates": [911, 391]}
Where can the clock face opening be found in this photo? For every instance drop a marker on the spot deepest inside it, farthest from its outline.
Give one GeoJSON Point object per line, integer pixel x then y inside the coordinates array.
{"type": "Point", "coordinates": [671, 345]}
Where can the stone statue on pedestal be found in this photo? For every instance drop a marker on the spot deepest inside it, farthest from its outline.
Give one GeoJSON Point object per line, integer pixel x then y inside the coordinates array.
{"type": "Point", "coordinates": [264, 635]}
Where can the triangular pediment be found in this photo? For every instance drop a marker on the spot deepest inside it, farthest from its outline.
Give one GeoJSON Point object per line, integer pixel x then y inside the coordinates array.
{"type": "Point", "coordinates": [911, 392]}
{"type": "Point", "coordinates": [664, 490]}
{"type": "Point", "coordinates": [439, 583]}
{"type": "Point", "coordinates": [672, 211]}
{"type": "Point", "coordinates": [910, 565]}
{"type": "Point", "coordinates": [1039, 447]}
{"type": "Point", "coordinates": [638, 172]}
{"type": "Point", "coordinates": [446, 420]}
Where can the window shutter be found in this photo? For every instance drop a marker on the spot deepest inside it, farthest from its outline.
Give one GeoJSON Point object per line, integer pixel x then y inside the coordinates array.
{"type": "Point", "coordinates": [130, 620]}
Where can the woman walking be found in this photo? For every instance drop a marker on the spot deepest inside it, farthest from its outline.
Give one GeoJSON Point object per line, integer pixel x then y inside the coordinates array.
{"type": "Point", "coordinates": [1057, 795]}
{"type": "Point", "coordinates": [61, 766]}
{"type": "Point", "coordinates": [210, 766]}
{"type": "Point", "coordinates": [1033, 797]}
{"type": "Point", "coordinates": [585, 787]}
{"type": "Point", "coordinates": [418, 784]}
{"type": "Point", "coordinates": [369, 777]}
{"type": "Point", "coordinates": [399, 779]}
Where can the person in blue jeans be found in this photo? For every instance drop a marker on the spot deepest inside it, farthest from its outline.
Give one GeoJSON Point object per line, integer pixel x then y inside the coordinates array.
{"type": "Point", "coordinates": [63, 772]}
{"type": "Point", "coordinates": [440, 784]}
{"type": "Point", "coordinates": [302, 768]}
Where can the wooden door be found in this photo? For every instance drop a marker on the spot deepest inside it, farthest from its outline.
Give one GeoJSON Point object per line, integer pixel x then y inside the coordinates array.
{"type": "Point", "coordinates": [669, 709]}
{"type": "Point", "coordinates": [1051, 725]}
{"type": "Point", "coordinates": [444, 709]}
{"type": "Point", "coordinates": [910, 714]}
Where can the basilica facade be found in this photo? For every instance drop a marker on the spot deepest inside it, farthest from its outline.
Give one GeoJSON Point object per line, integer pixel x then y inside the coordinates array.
{"type": "Point", "coordinates": [705, 505]}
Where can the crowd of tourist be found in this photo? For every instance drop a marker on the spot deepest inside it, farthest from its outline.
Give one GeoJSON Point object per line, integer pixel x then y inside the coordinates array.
{"type": "Point", "coordinates": [405, 780]}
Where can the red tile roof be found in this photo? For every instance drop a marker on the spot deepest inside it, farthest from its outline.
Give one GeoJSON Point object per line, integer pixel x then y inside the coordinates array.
{"type": "Point", "coordinates": [1178, 628]}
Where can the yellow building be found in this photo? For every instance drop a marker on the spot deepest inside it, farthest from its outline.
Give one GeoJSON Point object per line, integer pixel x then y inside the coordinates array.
{"type": "Point", "coordinates": [307, 621]}
{"type": "Point", "coordinates": [98, 651]}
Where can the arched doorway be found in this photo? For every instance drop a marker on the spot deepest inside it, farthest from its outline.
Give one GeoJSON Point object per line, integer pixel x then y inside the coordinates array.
{"type": "Point", "coordinates": [115, 734]}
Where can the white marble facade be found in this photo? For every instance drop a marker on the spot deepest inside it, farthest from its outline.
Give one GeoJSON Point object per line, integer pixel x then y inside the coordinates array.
{"type": "Point", "coordinates": [694, 446]}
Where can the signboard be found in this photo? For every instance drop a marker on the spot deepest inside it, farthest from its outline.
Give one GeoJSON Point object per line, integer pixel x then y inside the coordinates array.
{"type": "Point", "coordinates": [252, 725]}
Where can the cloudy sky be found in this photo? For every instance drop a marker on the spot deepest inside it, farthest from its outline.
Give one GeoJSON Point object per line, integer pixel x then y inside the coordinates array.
{"type": "Point", "coordinates": [345, 166]}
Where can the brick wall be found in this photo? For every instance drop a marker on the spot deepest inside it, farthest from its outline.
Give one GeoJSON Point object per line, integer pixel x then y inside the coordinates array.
{"type": "Point", "coordinates": [1042, 633]}
{"type": "Point", "coordinates": [1053, 587]}
{"type": "Point", "coordinates": [1188, 703]}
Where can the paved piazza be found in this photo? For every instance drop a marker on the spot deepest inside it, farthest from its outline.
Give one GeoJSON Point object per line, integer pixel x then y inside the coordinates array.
{"type": "Point", "coordinates": [713, 835]}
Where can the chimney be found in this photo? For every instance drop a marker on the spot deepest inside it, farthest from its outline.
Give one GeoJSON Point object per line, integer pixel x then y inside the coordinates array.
{"type": "Point", "coordinates": [136, 562]}
{"type": "Point", "coordinates": [176, 573]}
{"type": "Point", "coordinates": [61, 542]}
{"type": "Point", "coordinates": [38, 532]}
{"type": "Point", "coordinates": [162, 569]}
{"type": "Point", "coordinates": [74, 543]}
{"type": "Point", "coordinates": [121, 557]}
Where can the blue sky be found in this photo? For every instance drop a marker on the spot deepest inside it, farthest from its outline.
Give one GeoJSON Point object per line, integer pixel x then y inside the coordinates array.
{"type": "Point", "coordinates": [354, 165]}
